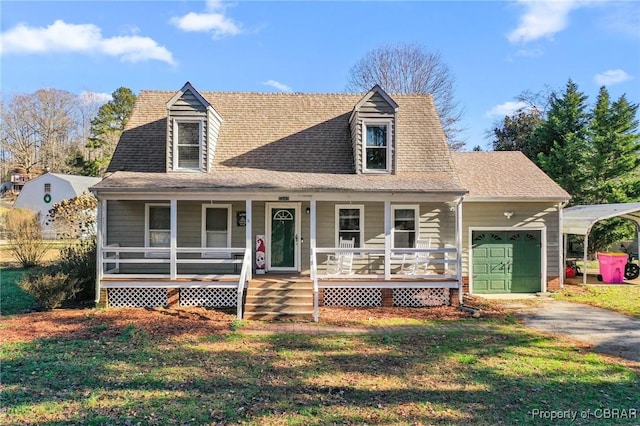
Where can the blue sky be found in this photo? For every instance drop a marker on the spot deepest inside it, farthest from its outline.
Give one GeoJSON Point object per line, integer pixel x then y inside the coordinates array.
{"type": "Point", "coordinates": [496, 50]}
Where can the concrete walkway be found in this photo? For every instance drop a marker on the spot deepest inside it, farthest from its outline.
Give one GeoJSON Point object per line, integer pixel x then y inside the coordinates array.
{"type": "Point", "coordinates": [609, 332]}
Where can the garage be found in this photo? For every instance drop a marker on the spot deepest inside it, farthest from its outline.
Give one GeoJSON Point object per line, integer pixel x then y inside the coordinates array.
{"type": "Point", "coordinates": [506, 261]}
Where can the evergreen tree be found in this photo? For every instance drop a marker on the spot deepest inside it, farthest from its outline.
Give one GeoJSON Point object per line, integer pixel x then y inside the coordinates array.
{"type": "Point", "coordinates": [614, 164]}
{"type": "Point", "coordinates": [515, 132]}
{"type": "Point", "coordinates": [106, 129]}
{"type": "Point", "coordinates": [561, 141]}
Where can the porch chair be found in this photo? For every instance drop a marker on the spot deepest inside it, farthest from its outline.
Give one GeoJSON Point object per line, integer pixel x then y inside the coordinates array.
{"type": "Point", "coordinates": [341, 263]}
{"type": "Point", "coordinates": [417, 263]}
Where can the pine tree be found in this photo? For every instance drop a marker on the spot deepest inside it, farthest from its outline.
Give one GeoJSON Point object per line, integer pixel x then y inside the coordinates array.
{"type": "Point", "coordinates": [561, 141]}
{"type": "Point", "coordinates": [106, 129]}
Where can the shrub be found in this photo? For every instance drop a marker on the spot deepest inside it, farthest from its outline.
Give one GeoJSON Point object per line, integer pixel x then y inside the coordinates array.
{"type": "Point", "coordinates": [25, 237]}
{"type": "Point", "coordinates": [50, 290]}
{"type": "Point", "coordinates": [78, 261]}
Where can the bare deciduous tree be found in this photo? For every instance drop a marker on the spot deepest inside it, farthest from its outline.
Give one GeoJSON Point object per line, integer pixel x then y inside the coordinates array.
{"type": "Point", "coordinates": [18, 135]}
{"type": "Point", "coordinates": [411, 68]}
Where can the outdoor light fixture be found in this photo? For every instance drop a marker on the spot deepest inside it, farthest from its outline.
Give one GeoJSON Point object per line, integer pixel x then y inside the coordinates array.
{"type": "Point", "coordinates": [508, 214]}
{"type": "Point", "coordinates": [308, 210]}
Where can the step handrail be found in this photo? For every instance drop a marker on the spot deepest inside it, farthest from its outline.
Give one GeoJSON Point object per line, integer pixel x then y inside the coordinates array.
{"type": "Point", "coordinates": [244, 272]}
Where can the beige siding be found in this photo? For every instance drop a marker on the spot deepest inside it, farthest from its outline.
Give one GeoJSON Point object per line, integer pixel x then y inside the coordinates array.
{"type": "Point", "coordinates": [213, 126]}
{"type": "Point", "coordinates": [524, 215]}
{"type": "Point", "coordinates": [375, 108]}
{"type": "Point", "coordinates": [436, 222]}
{"type": "Point", "coordinates": [188, 107]}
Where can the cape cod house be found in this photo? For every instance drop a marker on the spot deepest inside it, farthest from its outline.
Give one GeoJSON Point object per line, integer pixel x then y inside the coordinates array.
{"type": "Point", "coordinates": [278, 203]}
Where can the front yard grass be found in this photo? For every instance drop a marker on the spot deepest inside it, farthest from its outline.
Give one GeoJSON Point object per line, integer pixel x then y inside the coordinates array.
{"type": "Point", "coordinates": [113, 370]}
{"type": "Point", "coordinates": [621, 298]}
{"type": "Point", "coordinates": [13, 300]}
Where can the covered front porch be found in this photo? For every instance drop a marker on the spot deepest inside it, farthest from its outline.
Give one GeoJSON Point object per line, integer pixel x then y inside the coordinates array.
{"type": "Point", "coordinates": [215, 249]}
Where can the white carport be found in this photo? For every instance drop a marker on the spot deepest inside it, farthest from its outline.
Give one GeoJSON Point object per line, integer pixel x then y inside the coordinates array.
{"type": "Point", "coordinates": [579, 220]}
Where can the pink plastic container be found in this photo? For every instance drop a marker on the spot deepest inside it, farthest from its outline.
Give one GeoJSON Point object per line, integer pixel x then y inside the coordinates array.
{"type": "Point", "coordinates": [612, 267]}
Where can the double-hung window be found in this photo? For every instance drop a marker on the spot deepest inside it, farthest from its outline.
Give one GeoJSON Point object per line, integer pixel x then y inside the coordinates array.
{"type": "Point", "coordinates": [187, 140]}
{"type": "Point", "coordinates": [216, 228]}
{"type": "Point", "coordinates": [350, 224]}
{"type": "Point", "coordinates": [406, 226]}
{"type": "Point", "coordinates": [157, 227]}
{"type": "Point", "coordinates": [376, 146]}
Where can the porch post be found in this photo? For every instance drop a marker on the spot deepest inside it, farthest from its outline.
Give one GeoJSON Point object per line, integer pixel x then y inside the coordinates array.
{"type": "Point", "coordinates": [248, 243]}
{"type": "Point", "coordinates": [313, 261]}
{"type": "Point", "coordinates": [173, 267]}
{"type": "Point", "coordinates": [459, 248]}
{"type": "Point", "coordinates": [387, 240]}
{"type": "Point", "coordinates": [101, 235]}
{"type": "Point", "coordinates": [312, 230]}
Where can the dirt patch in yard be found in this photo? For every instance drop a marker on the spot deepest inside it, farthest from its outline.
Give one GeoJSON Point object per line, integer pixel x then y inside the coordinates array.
{"type": "Point", "coordinates": [188, 323]}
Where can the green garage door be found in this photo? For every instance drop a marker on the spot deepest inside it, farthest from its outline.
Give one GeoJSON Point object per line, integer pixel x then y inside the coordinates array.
{"type": "Point", "coordinates": [506, 261]}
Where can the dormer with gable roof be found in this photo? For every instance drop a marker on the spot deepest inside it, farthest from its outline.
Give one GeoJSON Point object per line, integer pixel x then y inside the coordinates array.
{"type": "Point", "coordinates": [192, 131]}
{"type": "Point", "coordinates": [373, 135]}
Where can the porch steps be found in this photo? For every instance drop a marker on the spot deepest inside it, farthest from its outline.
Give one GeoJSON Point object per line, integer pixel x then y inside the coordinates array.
{"type": "Point", "coordinates": [279, 298]}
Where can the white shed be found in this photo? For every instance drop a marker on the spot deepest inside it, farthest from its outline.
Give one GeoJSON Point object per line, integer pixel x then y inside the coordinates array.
{"type": "Point", "coordinates": [41, 193]}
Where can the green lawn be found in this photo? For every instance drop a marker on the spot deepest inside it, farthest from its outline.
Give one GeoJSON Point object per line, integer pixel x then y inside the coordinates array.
{"type": "Point", "coordinates": [468, 372]}
{"type": "Point", "coordinates": [462, 372]}
{"type": "Point", "coordinates": [620, 298]}
{"type": "Point", "coordinates": [13, 300]}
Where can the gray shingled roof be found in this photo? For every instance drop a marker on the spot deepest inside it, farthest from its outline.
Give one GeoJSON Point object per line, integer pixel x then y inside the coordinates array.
{"type": "Point", "coordinates": [285, 141]}
{"type": "Point", "coordinates": [249, 180]}
{"type": "Point", "coordinates": [504, 175]}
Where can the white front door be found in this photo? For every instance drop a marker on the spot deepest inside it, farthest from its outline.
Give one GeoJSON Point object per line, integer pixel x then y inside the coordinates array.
{"type": "Point", "coordinates": [283, 236]}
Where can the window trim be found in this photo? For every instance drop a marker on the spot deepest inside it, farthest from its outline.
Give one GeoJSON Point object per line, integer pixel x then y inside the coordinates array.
{"type": "Point", "coordinates": [416, 210]}
{"type": "Point", "coordinates": [176, 143]}
{"type": "Point", "coordinates": [47, 188]}
{"type": "Point", "coordinates": [338, 207]}
{"type": "Point", "coordinates": [203, 227]}
{"type": "Point", "coordinates": [147, 231]}
{"type": "Point", "coordinates": [374, 122]}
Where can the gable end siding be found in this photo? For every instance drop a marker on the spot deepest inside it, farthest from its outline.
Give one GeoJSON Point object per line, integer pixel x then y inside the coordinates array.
{"type": "Point", "coordinates": [187, 107]}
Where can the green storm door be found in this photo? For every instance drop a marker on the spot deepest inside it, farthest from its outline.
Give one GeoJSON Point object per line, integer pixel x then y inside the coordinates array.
{"type": "Point", "coordinates": [283, 238]}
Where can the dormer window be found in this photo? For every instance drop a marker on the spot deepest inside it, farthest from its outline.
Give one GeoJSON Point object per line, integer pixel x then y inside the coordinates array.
{"type": "Point", "coordinates": [377, 146]}
{"type": "Point", "coordinates": [187, 145]}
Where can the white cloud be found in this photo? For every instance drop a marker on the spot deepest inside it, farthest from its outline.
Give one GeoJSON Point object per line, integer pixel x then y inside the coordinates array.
{"type": "Point", "coordinates": [276, 84]}
{"type": "Point", "coordinates": [61, 37]}
{"type": "Point", "coordinates": [212, 21]}
{"type": "Point", "coordinates": [95, 97]}
{"type": "Point", "coordinates": [530, 53]}
{"type": "Point", "coordinates": [611, 77]}
{"type": "Point", "coordinates": [542, 18]}
{"type": "Point", "coordinates": [506, 108]}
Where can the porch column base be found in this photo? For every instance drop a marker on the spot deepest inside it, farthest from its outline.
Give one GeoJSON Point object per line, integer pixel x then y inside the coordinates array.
{"type": "Point", "coordinates": [387, 298]}
{"type": "Point", "coordinates": [103, 301]}
{"type": "Point", "coordinates": [453, 297]}
{"type": "Point", "coordinates": [173, 297]}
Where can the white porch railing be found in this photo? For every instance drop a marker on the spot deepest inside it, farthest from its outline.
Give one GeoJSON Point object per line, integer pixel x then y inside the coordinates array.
{"type": "Point", "coordinates": [112, 261]}
{"type": "Point", "coordinates": [444, 272]}
{"type": "Point", "coordinates": [114, 258]}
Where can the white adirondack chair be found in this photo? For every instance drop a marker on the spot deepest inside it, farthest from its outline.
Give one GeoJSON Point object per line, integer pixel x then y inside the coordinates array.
{"type": "Point", "coordinates": [341, 263]}
{"type": "Point", "coordinates": [417, 263]}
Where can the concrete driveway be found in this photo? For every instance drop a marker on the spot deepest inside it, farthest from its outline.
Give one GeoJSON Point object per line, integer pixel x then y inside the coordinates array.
{"type": "Point", "coordinates": [609, 332]}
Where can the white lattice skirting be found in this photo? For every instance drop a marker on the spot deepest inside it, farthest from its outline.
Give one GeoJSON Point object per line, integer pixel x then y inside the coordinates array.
{"type": "Point", "coordinates": [352, 297]}
{"type": "Point", "coordinates": [138, 297]}
{"type": "Point", "coordinates": [209, 297]}
{"type": "Point", "coordinates": [419, 297]}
